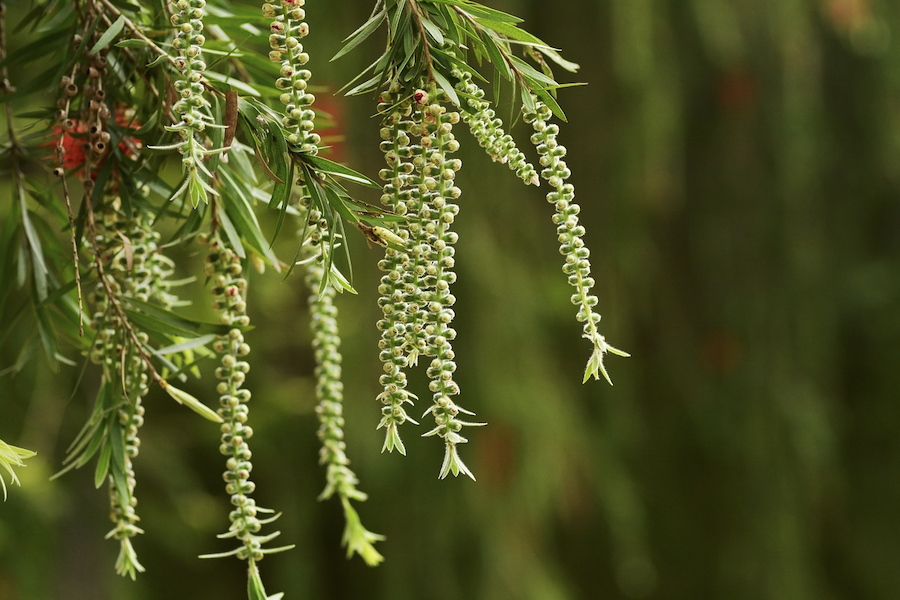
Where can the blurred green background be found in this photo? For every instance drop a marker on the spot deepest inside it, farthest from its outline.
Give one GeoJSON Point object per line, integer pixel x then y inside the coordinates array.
{"type": "Point", "coordinates": [738, 166]}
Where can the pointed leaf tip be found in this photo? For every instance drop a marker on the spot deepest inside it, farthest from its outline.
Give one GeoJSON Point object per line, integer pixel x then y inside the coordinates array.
{"type": "Point", "coordinates": [182, 397]}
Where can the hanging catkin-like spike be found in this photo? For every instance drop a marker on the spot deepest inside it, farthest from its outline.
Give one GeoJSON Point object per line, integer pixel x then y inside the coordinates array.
{"type": "Point", "coordinates": [340, 478]}
{"type": "Point", "coordinates": [436, 218]}
{"type": "Point", "coordinates": [416, 260]}
{"type": "Point", "coordinates": [488, 131]}
{"type": "Point", "coordinates": [286, 30]}
{"type": "Point", "coordinates": [229, 288]}
{"type": "Point", "coordinates": [398, 151]}
{"type": "Point", "coordinates": [134, 268]}
{"type": "Point", "coordinates": [192, 106]}
{"type": "Point", "coordinates": [577, 266]}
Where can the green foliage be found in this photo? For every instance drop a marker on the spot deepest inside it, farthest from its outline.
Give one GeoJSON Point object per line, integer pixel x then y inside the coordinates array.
{"type": "Point", "coordinates": [134, 97]}
{"type": "Point", "coordinates": [11, 456]}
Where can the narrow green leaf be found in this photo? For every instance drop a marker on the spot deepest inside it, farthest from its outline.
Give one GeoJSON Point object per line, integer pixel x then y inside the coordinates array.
{"type": "Point", "coordinates": [232, 82]}
{"type": "Point", "coordinates": [496, 56]}
{"type": "Point", "coordinates": [116, 439]}
{"type": "Point", "coordinates": [337, 204]}
{"type": "Point", "coordinates": [366, 86]}
{"type": "Point", "coordinates": [336, 277]}
{"type": "Point", "coordinates": [479, 10]}
{"type": "Point", "coordinates": [47, 335]}
{"type": "Point", "coordinates": [551, 103]}
{"type": "Point", "coordinates": [315, 194]}
{"type": "Point", "coordinates": [196, 191]}
{"type": "Point", "coordinates": [34, 245]}
{"type": "Point", "coordinates": [241, 212]}
{"type": "Point", "coordinates": [510, 31]}
{"type": "Point", "coordinates": [255, 588]}
{"type": "Point", "coordinates": [447, 87]}
{"type": "Point", "coordinates": [284, 202]}
{"type": "Point", "coordinates": [527, 100]}
{"type": "Point", "coordinates": [457, 62]}
{"type": "Point", "coordinates": [119, 481]}
{"type": "Point", "coordinates": [402, 12]}
{"type": "Point", "coordinates": [280, 191]}
{"type": "Point", "coordinates": [346, 247]}
{"type": "Point", "coordinates": [332, 168]}
{"type": "Point", "coordinates": [329, 256]}
{"type": "Point", "coordinates": [93, 444]}
{"type": "Point", "coordinates": [109, 35]}
{"type": "Point", "coordinates": [102, 469]}
{"type": "Point", "coordinates": [360, 35]}
{"type": "Point", "coordinates": [158, 61]}
{"type": "Point", "coordinates": [176, 324]}
{"type": "Point", "coordinates": [533, 73]}
{"type": "Point", "coordinates": [233, 238]}
{"type": "Point", "coordinates": [51, 42]}
{"type": "Point", "coordinates": [187, 345]}
{"type": "Point", "coordinates": [433, 31]}
{"type": "Point", "coordinates": [555, 57]}
{"type": "Point", "coordinates": [131, 43]}
{"type": "Point", "coordinates": [183, 398]}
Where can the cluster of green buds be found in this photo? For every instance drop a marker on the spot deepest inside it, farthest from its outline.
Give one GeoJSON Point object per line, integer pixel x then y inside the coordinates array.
{"type": "Point", "coordinates": [132, 268]}
{"type": "Point", "coordinates": [577, 257]}
{"type": "Point", "coordinates": [191, 107]}
{"type": "Point", "coordinates": [129, 251]}
{"type": "Point", "coordinates": [285, 32]}
{"type": "Point", "coordinates": [397, 196]}
{"type": "Point", "coordinates": [488, 130]}
{"type": "Point", "coordinates": [229, 288]}
{"type": "Point", "coordinates": [415, 263]}
{"type": "Point", "coordinates": [130, 417]}
{"type": "Point", "coordinates": [438, 211]}
{"type": "Point", "coordinates": [340, 478]}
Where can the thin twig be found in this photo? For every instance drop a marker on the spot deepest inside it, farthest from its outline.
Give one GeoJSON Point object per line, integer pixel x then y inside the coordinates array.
{"type": "Point", "coordinates": [415, 11]}
{"type": "Point", "coordinates": [136, 30]}
{"type": "Point", "coordinates": [60, 155]}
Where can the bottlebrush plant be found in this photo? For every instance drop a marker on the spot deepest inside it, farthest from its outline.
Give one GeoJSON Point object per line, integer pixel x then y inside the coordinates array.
{"type": "Point", "coordinates": [133, 87]}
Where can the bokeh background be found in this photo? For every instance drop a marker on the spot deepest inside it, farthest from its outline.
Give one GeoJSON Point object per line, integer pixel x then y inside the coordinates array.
{"type": "Point", "coordinates": [738, 165]}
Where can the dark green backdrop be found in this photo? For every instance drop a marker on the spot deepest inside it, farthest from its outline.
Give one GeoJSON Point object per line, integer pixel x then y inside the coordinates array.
{"type": "Point", "coordinates": [738, 165]}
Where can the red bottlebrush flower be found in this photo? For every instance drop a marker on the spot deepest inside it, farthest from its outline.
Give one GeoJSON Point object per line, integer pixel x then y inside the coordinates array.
{"type": "Point", "coordinates": [76, 139]}
{"type": "Point", "coordinates": [74, 156]}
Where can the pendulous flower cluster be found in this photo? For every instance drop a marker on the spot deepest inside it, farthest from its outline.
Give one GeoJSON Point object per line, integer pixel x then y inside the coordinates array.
{"type": "Point", "coordinates": [229, 288]}
{"type": "Point", "coordinates": [133, 268]}
{"type": "Point", "coordinates": [340, 478]}
{"type": "Point", "coordinates": [577, 265]}
{"type": "Point", "coordinates": [439, 194]}
{"type": "Point", "coordinates": [286, 31]}
{"type": "Point", "coordinates": [424, 71]}
{"type": "Point", "coordinates": [488, 130]}
{"type": "Point", "coordinates": [187, 18]}
{"type": "Point", "coordinates": [415, 291]}
{"type": "Point", "coordinates": [394, 352]}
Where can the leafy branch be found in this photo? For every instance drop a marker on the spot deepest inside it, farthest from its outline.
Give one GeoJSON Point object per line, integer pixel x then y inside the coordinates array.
{"type": "Point", "coordinates": [429, 37]}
